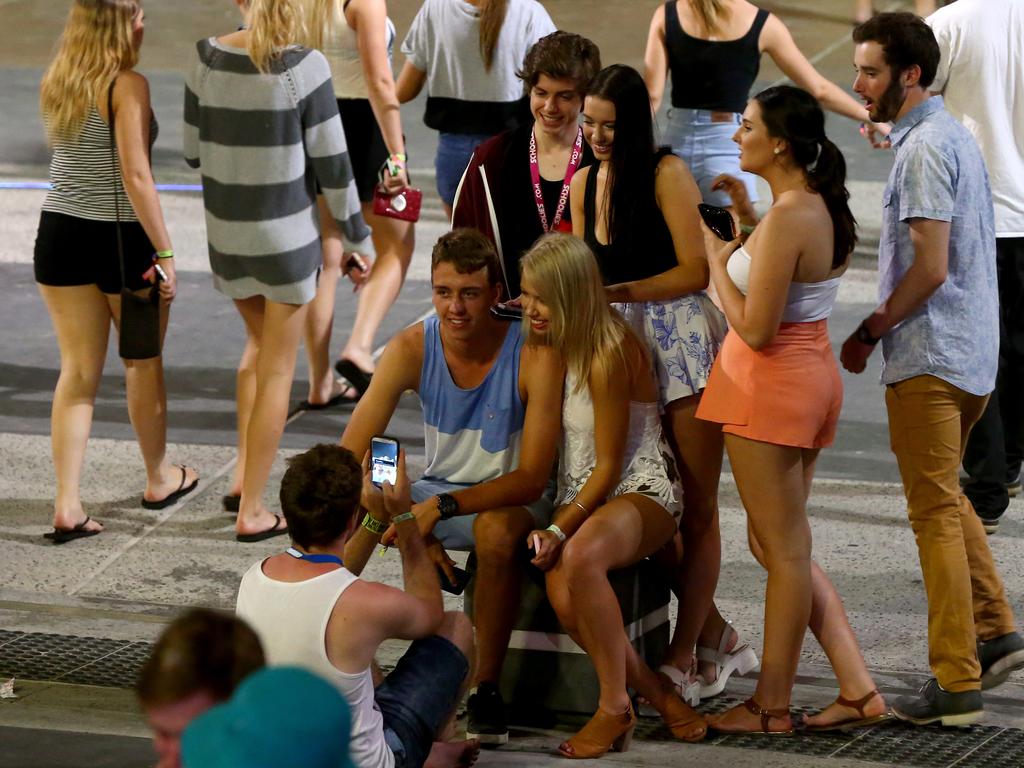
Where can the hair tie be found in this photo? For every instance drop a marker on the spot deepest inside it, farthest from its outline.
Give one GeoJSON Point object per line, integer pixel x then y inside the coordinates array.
{"type": "Point", "coordinates": [813, 165]}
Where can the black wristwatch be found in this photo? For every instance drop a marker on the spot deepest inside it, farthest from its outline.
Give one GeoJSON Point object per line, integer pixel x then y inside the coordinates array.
{"type": "Point", "coordinates": [863, 335]}
{"type": "Point", "coordinates": [447, 506]}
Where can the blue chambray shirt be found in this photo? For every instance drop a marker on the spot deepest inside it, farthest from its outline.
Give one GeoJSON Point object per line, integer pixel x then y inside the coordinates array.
{"type": "Point", "coordinates": [939, 174]}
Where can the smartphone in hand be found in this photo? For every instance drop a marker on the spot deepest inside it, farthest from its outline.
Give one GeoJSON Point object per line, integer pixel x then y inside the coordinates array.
{"type": "Point", "coordinates": [505, 311]}
{"type": "Point", "coordinates": [459, 585]}
{"type": "Point", "coordinates": [383, 460]}
{"type": "Point", "coordinates": [719, 221]}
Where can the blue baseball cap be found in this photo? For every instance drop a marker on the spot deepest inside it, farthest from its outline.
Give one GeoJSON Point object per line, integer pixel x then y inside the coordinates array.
{"type": "Point", "coordinates": [278, 717]}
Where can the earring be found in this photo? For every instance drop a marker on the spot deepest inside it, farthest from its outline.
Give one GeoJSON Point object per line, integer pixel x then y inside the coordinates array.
{"type": "Point", "coordinates": [776, 151]}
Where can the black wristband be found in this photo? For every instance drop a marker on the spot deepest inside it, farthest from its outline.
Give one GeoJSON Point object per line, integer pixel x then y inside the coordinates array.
{"type": "Point", "coordinates": [863, 335]}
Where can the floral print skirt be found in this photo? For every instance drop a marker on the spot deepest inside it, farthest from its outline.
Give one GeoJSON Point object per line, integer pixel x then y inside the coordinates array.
{"type": "Point", "coordinates": [683, 335]}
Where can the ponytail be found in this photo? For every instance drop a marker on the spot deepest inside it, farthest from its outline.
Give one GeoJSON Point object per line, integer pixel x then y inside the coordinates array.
{"type": "Point", "coordinates": [827, 177]}
{"type": "Point", "coordinates": [794, 115]}
{"type": "Point", "coordinates": [492, 17]}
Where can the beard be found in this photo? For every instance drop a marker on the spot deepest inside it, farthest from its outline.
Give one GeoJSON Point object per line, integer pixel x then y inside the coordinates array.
{"type": "Point", "coordinates": [889, 105]}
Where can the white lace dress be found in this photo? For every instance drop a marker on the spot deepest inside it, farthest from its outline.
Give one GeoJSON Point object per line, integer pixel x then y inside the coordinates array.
{"type": "Point", "coordinates": [647, 464]}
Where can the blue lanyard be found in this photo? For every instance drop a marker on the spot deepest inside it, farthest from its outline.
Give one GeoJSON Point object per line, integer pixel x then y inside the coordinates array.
{"type": "Point", "coordinates": [314, 558]}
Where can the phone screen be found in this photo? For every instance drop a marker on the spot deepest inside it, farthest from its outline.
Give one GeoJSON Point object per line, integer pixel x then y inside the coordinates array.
{"type": "Point", "coordinates": [383, 461]}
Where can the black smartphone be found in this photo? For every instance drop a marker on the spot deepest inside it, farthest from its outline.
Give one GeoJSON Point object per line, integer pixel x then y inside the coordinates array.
{"type": "Point", "coordinates": [504, 311]}
{"type": "Point", "coordinates": [461, 580]}
{"type": "Point", "coordinates": [719, 221]}
{"type": "Point", "coordinates": [383, 460]}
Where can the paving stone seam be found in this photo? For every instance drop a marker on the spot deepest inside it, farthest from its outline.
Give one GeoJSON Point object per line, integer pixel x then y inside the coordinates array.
{"type": "Point", "coordinates": [970, 752]}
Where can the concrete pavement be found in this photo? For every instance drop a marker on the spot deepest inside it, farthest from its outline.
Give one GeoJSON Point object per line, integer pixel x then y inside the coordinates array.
{"type": "Point", "coordinates": [76, 620]}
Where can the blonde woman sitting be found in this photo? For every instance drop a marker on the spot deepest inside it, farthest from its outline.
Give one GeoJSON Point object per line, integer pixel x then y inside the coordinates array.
{"type": "Point", "coordinates": [618, 503]}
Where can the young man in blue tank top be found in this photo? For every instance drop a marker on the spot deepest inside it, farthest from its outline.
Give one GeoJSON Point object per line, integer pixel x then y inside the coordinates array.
{"type": "Point", "coordinates": [490, 442]}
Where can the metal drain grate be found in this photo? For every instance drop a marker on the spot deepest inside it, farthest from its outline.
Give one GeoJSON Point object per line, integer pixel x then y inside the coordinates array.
{"type": "Point", "coordinates": [80, 660]}
{"type": "Point", "coordinates": [115, 664]}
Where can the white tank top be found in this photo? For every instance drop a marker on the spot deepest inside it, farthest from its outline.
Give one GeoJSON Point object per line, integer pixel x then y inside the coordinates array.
{"type": "Point", "coordinates": [805, 302]}
{"type": "Point", "coordinates": [342, 52]}
{"type": "Point", "coordinates": [291, 619]}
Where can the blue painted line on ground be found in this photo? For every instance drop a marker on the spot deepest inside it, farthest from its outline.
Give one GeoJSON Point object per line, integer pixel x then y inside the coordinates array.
{"type": "Point", "coordinates": [46, 185]}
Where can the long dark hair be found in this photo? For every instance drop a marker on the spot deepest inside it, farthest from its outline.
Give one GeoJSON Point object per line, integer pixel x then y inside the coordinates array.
{"type": "Point", "coordinates": [632, 164]}
{"type": "Point", "coordinates": [794, 115]}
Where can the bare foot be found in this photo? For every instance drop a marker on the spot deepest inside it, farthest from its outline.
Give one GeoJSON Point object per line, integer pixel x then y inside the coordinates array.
{"type": "Point", "coordinates": [453, 754]}
{"type": "Point", "coordinates": [836, 713]}
{"type": "Point", "coordinates": [361, 357]}
{"type": "Point", "coordinates": [257, 522]}
{"type": "Point", "coordinates": [336, 387]}
{"type": "Point", "coordinates": [67, 519]}
{"type": "Point", "coordinates": [169, 482]}
{"type": "Point", "coordinates": [739, 719]}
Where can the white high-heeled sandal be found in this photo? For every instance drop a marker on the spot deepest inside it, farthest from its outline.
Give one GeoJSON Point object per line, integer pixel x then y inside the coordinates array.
{"type": "Point", "coordinates": [740, 659]}
{"type": "Point", "coordinates": [686, 683]}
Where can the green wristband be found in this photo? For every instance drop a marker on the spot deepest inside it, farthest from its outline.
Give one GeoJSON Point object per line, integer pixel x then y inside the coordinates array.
{"type": "Point", "coordinates": [373, 525]}
{"type": "Point", "coordinates": [168, 254]}
{"type": "Point", "coordinates": [402, 518]}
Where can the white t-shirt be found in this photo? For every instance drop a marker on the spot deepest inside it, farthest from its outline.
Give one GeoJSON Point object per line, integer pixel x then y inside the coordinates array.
{"type": "Point", "coordinates": [444, 42]}
{"type": "Point", "coordinates": [981, 77]}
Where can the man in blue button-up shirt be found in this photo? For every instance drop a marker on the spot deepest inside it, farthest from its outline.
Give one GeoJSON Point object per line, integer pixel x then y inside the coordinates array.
{"type": "Point", "coordinates": [939, 328]}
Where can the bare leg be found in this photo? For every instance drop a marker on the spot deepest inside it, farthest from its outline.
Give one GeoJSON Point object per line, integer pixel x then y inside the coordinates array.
{"type": "Point", "coordinates": [770, 479]}
{"type": "Point", "coordinates": [81, 321]}
{"type": "Point", "coordinates": [623, 531]}
{"type": "Point", "coordinates": [320, 315]}
{"type": "Point", "coordinates": [394, 241]}
{"type": "Point", "coordinates": [251, 310]}
{"type": "Point", "coordinates": [697, 445]}
{"type": "Point", "coordinates": [275, 367]}
{"type": "Point", "coordinates": [499, 535]}
{"type": "Point", "coordinates": [147, 411]}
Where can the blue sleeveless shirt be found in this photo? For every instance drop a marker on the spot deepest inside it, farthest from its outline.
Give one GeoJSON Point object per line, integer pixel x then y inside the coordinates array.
{"type": "Point", "coordinates": [470, 435]}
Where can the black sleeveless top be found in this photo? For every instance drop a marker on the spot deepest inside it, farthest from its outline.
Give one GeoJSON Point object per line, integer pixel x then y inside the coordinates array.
{"type": "Point", "coordinates": [646, 247]}
{"type": "Point", "coordinates": [709, 74]}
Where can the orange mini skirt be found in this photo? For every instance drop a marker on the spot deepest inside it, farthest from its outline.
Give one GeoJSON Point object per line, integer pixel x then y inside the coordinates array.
{"type": "Point", "coordinates": [788, 393]}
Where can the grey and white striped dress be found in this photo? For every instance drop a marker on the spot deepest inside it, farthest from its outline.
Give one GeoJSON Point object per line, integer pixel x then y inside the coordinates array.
{"type": "Point", "coordinates": [263, 141]}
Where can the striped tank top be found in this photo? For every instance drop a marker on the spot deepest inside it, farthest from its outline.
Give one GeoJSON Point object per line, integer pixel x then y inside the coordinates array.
{"type": "Point", "coordinates": [83, 177]}
{"type": "Point", "coordinates": [471, 435]}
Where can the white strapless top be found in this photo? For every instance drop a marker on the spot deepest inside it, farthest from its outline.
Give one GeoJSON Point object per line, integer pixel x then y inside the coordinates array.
{"type": "Point", "coordinates": [805, 302]}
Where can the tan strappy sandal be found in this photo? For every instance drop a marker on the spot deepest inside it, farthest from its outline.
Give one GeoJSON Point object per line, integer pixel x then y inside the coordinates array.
{"type": "Point", "coordinates": [861, 721]}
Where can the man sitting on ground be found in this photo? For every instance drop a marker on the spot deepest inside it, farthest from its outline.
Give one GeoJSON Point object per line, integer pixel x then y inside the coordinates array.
{"type": "Point", "coordinates": [490, 443]}
{"type": "Point", "coordinates": [310, 611]}
{"type": "Point", "coordinates": [196, 663]}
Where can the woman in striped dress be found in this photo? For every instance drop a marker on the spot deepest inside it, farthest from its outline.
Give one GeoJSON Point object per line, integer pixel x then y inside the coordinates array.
{"type": "Point", "coordinates": [262, 124]}
{"type": "Point", "coordinates": [91, 81]}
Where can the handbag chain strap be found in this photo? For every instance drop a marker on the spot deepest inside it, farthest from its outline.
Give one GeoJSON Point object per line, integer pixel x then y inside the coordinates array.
{"type": "Point", "coordinates": [117, 177]}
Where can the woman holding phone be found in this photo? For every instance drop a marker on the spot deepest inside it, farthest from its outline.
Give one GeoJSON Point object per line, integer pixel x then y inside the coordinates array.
{"type": "Point", "coordinates": [90, 84]}
{"type": "Point", "coordinates": [617, 503]}
{"type": "Point", "coordinates": [637, 210]}
{"type": "Point", "coordinates": [775, 389]}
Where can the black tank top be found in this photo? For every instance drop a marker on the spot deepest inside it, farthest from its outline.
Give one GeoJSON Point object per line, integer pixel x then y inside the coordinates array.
{"type": "Point", "coordinates": [709, 74]}
{"type": "Point", "coordinates": [645, 249]}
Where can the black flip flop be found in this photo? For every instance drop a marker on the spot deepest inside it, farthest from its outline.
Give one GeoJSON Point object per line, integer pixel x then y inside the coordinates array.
{"type": "Point", "coordinates": [338, 399]}
{"type": "Point", "coordinates": [231, 502]}
{"type": "Point", "coordinates": [251, 538]}
{"type": "Point", "coordinates": [170, 498]}
{"type": "Point", "coordinates": [355, 375]}
{"type": "Point", "coordinates": [64, 535]}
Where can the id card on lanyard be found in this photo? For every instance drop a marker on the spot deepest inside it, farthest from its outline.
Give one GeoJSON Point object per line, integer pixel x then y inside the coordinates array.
{"type": "Point", "coordinates": [538, 192]}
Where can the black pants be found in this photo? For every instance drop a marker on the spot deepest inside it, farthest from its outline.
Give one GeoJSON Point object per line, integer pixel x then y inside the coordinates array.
{"type": "Point", "coordinates": [996, 444]}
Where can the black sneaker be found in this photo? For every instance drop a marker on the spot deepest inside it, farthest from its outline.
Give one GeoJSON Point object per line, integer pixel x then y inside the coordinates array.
{"type": "Point", "coordinates": [932, 704]}
{"type": "Point", "coordinates": [485, 712]}
{"type": "Point", "coordinates": [990, 524]}
{"type": "Point", "coordinates": [1013, 488]}
{"type": "Point", "coordinates": [999, 657]}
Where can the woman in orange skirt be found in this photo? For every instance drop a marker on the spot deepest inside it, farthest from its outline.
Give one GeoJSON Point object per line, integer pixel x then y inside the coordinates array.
{"type": "Point", "coordinates": [775, 389]}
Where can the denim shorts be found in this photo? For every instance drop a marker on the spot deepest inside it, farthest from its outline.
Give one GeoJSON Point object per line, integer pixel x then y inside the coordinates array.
{"type": "Point", "coordinates": [453, 153]}
{"type": "Point", "coordinates": [419, 696]}
{"type": "Point", "coordinates": [457, 532]}
{"type": "Point", "coordinates": [708, 150]}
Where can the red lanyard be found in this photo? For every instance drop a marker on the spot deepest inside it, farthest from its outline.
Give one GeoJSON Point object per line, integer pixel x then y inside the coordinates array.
{"type": "Point", "coordinates": [538, 193]}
